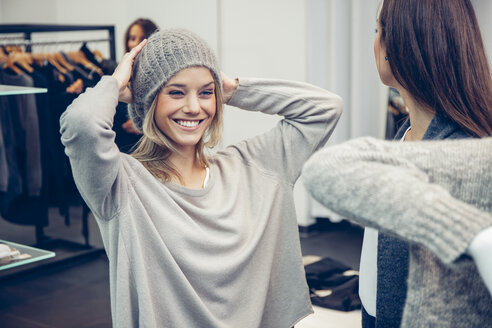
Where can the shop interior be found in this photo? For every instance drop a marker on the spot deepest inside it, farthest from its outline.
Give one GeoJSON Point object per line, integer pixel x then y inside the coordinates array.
{"type": "Point", "coordinates": [60, 276]}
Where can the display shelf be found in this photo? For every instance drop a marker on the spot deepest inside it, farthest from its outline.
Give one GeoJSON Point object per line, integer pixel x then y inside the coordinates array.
{"type": "Point", "coordinates": [8, 90]}
{"type": "Point", "coordinates": [36, 255]}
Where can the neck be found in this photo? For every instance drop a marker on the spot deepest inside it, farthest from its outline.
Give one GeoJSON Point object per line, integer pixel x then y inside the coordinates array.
{"type": "Point", "coordinates": [420, 117]}
{"type": "Point", "coordinates": [191, 171]}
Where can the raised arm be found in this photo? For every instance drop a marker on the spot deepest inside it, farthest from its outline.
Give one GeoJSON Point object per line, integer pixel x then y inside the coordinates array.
{"type": "Point", "coordinates": [310, 115]}
{"type": "Point", "coordinates": [391, 186]}
{"type": "Point", "coordinates": [86, 129]}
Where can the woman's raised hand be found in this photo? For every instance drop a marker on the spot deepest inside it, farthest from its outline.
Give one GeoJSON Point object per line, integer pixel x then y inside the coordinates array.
{"type": "Point", "coordinates": [229, 86]}
{"type": "Point", "coordinates": [123, 72]}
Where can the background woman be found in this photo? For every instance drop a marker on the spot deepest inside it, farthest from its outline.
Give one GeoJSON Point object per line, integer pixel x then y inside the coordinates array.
{"type": "Point", "coordinates": [126, 134]}
{"type": "Point", "coordinates": [137, 31]}
{"type": "Point", "coordinates": [432, 53]}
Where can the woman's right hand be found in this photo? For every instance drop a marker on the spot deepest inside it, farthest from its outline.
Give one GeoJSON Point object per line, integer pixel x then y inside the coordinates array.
{"type": "Point", "coordinates": [123, 72]}
{"type": "Point", "coordinates": [229, 86]}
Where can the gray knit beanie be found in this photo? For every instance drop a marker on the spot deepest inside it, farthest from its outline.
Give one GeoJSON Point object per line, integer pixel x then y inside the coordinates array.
{"type": "Point", "coordinates": [166, 53]}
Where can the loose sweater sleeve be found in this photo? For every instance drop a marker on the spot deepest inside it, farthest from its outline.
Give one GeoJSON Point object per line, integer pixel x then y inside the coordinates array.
{"type": "Point", "coordinates": [310, 115]}
{"type": "Point", "coordinates": [86, 133]}
{"type": "Point", "coordinates": [408, 189]}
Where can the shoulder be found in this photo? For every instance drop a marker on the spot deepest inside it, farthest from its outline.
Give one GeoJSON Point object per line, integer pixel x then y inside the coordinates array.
{"type": "Point", "coordinates": [135, 171]}
{"type": "Point", "coordinates": [443, 128]}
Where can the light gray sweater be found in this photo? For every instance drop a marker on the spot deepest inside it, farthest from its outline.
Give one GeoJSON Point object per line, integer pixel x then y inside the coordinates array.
{"type": "Point", "coordinates": [227, 255]}
{"type": "Point", "coordinates": [420, 192]}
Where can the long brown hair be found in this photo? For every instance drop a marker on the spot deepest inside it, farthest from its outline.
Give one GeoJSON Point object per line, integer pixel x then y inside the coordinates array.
{"type": "Point", "coordinates": [154, 147]}
{"type": "Point", "coordinates": [436, 53]}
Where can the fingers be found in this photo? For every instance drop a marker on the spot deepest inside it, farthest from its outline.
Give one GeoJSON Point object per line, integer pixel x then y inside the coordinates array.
{"type": "Point", "coordinates": [229, 87]}
{"type": "Point", "coordinates": [130, 55]}
{"type": "Point", "coordinates": [123, 72]}
{"type": "Point", "coordinates": [125, 95]}
{"type": "Point", "coordinates": [137, 49]}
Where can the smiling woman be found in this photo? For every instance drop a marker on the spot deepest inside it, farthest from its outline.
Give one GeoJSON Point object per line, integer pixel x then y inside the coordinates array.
{"type": "Point", "coordinates": [178, 119]}
{"type": "Point", "coordinates": [186, 107]}
{"type": "Point", "coordinates": [188, 98]}
{"type": "Point", "coordinates": [187, 87]}
{"type": "Point", "coordinates": [194, 240]}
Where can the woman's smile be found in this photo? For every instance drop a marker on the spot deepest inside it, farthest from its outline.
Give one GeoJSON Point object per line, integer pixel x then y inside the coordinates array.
{"type": "Point", "coordinates": [188, 124]}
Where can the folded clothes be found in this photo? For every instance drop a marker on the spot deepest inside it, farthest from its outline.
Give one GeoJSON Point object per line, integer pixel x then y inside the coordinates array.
{"type": "Point", "coordinates": [9, 254]}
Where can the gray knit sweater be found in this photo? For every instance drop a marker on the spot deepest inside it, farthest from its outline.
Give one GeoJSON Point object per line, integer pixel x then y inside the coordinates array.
{"type": "Point", "coordinates": [419, 192]}
{"type": "Point", "coordinates": [227, 255]}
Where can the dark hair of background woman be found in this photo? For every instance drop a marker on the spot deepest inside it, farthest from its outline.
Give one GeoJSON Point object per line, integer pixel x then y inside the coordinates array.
{"type": "Point", "coordinates": [147, 26]}
{"type": "Point", "coordinates": [436, 53]}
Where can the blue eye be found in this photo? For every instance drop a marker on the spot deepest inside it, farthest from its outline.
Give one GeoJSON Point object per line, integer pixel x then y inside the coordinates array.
{"type": "Point", "coordinates": [175, 93]}
{"type": "Point", "coordinates": [207, 92]}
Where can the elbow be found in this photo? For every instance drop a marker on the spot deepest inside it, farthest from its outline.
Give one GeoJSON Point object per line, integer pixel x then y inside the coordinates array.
{"type": "Point", "coordinates": [73, 123]}
{"type": "Point", "coordinates": [80, 129]}
{"type": "Point", "coordinates": [338, 106]}
{"type": "Point", "coordinates": [332, 107]}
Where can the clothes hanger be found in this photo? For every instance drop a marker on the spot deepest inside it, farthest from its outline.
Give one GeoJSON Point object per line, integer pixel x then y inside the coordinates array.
{"type": "Point", "coordinates": [76, 87]}
{"type": "Point", "coordinates": [54, 61]}
{"type": "Point", "coordinates": [45, 57]}
{"type": "Point", "coordinates": [7, 62]}
{"type": "Point", "coordinates": [62, 61]}
{"type": "Point", "coordinates": [23, 59]}
{"type": "Point", "coordinates": [98, 55]}
{"type": "Point", "coordinates": [78, 57]}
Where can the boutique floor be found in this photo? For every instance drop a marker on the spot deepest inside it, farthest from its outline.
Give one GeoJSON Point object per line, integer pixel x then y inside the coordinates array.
{"type": "Point", "coordinates": [76, 292]}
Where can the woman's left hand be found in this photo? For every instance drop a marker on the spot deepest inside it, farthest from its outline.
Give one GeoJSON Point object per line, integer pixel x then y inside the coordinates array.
{"type": "Point", "coordinates": [123, 72]}
{"type": "Point", "coordinates": [229, 86]}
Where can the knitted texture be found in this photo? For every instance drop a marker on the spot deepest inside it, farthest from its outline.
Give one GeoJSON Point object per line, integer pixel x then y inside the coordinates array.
{"type": "Point", "coordinates": [166, 53]}
{"type": "Point", "coordinates": [434, 194]}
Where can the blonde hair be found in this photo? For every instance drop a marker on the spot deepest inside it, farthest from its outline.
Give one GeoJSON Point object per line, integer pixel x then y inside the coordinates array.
{"type": "Point", "coordinates": [154, 147]}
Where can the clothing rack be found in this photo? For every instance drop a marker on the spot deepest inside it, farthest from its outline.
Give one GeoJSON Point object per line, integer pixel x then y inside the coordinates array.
{"type": "Point", "coordinates": [36, 43]}
{"type": "Point", "coordinates": [29, 29]}
{"type": "Point", "coordinates": [77, 251]}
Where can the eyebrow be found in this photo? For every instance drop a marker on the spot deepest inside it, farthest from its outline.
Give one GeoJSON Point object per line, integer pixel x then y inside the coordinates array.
{"type": "Point", "coordinates": [178, 85]}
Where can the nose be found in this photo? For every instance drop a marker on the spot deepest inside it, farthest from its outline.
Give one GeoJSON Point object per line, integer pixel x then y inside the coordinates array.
{"type": "Point", "coordinates": [192, 105]}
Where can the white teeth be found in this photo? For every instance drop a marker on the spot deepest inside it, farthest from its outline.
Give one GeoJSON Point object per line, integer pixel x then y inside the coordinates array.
{"type": "Point", "coordinates": [188, 124]}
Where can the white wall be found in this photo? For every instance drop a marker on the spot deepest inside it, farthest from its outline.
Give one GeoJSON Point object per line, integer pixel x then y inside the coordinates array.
{"type": "Point", "coordinates": [263, 39]}
{"type": "Point", "coordinates": [340, 51]}
{"type": "Point", "coordinates": [257, 41]}
{"type": "Point", "coordinates": [483, 10]}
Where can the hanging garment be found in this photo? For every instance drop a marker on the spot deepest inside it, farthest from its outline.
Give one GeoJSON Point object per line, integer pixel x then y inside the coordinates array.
{"type": "Point", "coordinates": [27, 132]}
{"type": "Point", "coordinates": [4, 170]}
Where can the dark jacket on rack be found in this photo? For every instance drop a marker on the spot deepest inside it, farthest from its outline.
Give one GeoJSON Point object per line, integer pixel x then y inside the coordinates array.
{"type": "Point", "coordinates": [20, 200]}
{"type": "Point", "coordinates": [37, 172]}
{"type": "Point", "coordinates": [27, 134]}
